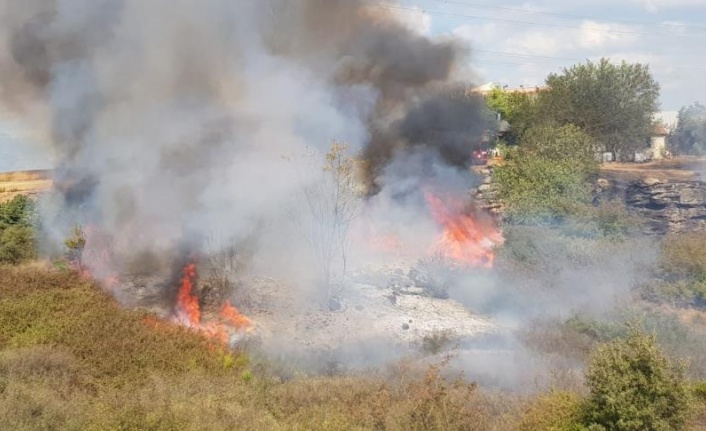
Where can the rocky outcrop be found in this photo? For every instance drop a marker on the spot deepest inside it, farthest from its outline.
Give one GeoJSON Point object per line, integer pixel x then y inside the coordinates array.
{"type": "Point", "coordinates": [668, 207]}
{"type": "Point", "coordinates": [485, 195]}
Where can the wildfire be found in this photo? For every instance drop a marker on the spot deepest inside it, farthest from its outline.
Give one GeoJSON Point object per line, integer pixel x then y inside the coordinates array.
{"type": "Point", "coordinates": [188, 311]}
{"type": "Point", "coordinates": [465, 240]}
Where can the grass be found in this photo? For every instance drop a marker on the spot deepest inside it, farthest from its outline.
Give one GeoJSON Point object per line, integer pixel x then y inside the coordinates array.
{"type": "Point", "coordinates": [72, 358]}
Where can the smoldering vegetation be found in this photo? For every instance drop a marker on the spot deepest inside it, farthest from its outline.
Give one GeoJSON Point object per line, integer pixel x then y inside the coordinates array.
{"type": "Point", "coordinates": [202, 131]}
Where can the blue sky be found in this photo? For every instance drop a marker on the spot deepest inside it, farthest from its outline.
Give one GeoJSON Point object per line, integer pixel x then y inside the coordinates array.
{"type": "Point", "coordinates": [520, 43]}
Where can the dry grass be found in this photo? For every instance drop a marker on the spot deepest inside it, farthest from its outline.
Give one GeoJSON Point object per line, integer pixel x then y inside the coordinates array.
{"type": "Point", "coordinates": [23, 182]}
{"type": "Point", "coordinates": [676, 169]}
{"type": "Point", "coordinates": [71, 358]}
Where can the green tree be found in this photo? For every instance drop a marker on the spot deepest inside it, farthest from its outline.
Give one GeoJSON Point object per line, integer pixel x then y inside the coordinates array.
{"type": "Point", "coordinates": [519, 109]}
{"type": "Point", "coordinates": [613, 103]}
{"type": "Point", "coordinates": [546, 177]}
{"type": "Point", "coordinates": [17, 220]}
{"type": "Point", "coordinates": [690, 134]}
{"type": "Point", "coordinates": [18, 211]}
{"type": "Point", "coordinates": [634, 386]}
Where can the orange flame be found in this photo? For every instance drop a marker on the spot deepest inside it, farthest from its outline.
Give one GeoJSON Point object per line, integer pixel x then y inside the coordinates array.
{"type": "Point", "coordinates": [232, 315]}
{"type": "Point", "coordinates": [188, 311]}
{"type": "Point", "coordinates": [466, 240]}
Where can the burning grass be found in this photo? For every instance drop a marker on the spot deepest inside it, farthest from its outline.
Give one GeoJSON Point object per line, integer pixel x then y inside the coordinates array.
{"type": "Point", "coordinates": [71, 358]}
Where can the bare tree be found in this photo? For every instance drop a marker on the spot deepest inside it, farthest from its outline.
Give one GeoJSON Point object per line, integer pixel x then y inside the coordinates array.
{"type": "Point", "coordinates": [331, 204]}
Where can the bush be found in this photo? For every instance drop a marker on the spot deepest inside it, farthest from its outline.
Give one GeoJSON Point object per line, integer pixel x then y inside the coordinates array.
{"type": "Point", "coordinates": [17, 219]}
{"type": "Point", "coordinates": [634, 386]}
{"type": "Point", "coordinates": [545, 179]}
{"type": "Point", "coordinates": [682, 272]}
{"type": "Point", "coordinates": [556, 410]}
{"type": "Point", "coordinates": [684, 255]}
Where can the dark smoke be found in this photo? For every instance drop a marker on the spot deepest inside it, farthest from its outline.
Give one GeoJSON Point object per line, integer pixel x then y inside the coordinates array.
{"type": "Point", "coordinates": [176, 117]}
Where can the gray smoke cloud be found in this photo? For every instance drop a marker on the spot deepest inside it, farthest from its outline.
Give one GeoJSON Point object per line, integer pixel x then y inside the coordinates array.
{"type": "Point", "coordinates": [173, 119]}
{"type": "Point", "coordinates": [176, 120]}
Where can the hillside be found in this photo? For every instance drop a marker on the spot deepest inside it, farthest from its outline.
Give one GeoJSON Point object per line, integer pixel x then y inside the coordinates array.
{"type": "Point", "coordinates": [71, 358]}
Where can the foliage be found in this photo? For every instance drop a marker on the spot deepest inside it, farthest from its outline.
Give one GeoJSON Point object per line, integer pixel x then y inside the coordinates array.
{"type": "Point", "coordinates": [545, 179]}
{"type": "Point", "coordinates": [685, 255]}
{"type": "Point", "coordinates": [71, 358]}
{"type": "Point", "coordinates": [634, 386]}
{"type": "Point", "coordinates": [554, 411]}
{"type": "Point", "coordinates": [17, 236]}
{"type": "Point", "coordinates": [690, 135]}
{"type": "Point", "coordinates": [519, 109]}
{"type": "Point", "coordinates": [681, 280]}
{"type": "Point", "coordinates": [75, 245]}
{"type": "Point", "coordinates": [612, 103]}
{"type": "Point", "coordinates": [607, 219]}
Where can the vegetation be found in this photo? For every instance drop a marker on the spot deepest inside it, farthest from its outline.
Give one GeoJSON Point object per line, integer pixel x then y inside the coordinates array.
{"type": "Point", "coordinates": [518, 109]}
{"type": "Point", "coordinates": [331, 204]}
{"type": "Point", "coordinates": [680, 278]}
{"type": "Point", "coordinates": [556, 136]}
{"type": "Point", "coordinates": [72, 358]}
{"type": "Point", "coordinates": [690, 134]}
{"type": "Point", "coordinates": [545, 179]}
{"type": "Point", "coordinates": [17, 220]}
{"type": "Point", "coordinates": [612, 103]}
{"type": "Point", "coordinates": [633, 386]}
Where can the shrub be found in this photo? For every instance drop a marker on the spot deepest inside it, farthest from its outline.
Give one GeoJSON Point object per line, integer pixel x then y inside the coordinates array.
{"type": "Point", "coordinates": [681, 279]}
{"type": "Point", "coordinates": [545, 179]}
{"type": "Point", "coordinates": [17, 241]}
{"type": "Point", "coordinates": [555, 411]}
{"type": "Point", "coordinates": [685, 255]}
{"type": "Point", "coordinates": [634, 386]}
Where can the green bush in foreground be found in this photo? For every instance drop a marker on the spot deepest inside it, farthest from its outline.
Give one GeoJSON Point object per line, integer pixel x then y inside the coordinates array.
{"type": "Point", "coordinates": [634, 386]}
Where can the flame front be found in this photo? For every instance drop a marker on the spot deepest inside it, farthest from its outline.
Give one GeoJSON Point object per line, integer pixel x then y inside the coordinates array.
{"type": "Point", "coordinates": [188, 311]}
{"type": "Point", "coordinates": [465, 240]}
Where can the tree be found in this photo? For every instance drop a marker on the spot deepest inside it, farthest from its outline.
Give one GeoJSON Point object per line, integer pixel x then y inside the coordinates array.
{"type": "Point", "coordinates": [634, 386]}
{"type": "Point", "coordinates": [517, 108]}
{"type": "Point", "coordinates": [75, 246]}
{"type": "Point", "coordinates": [613, 103]}
{"type": "Point", "coordinates": [545, 178]}
{"type": "Point", "coordinates": [330, 203]}
{"type": "Point", "coordinates": [690, 134]}
{"type": "Point", "coordinates": [17, 236]}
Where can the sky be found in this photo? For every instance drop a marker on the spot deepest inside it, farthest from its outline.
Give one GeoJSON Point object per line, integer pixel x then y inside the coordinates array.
{"type": "Point", "coordinates": [519, 43]}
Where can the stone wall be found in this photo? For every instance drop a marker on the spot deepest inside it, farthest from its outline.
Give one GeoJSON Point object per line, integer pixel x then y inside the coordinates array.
{"type": "Point", "coordinates": [667, 206]}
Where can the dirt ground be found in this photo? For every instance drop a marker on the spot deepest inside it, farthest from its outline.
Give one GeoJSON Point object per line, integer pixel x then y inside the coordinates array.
{"type": "Point", "coordinates": [23, 182]}
{"type": "Point", "coordinates": [676, 169]}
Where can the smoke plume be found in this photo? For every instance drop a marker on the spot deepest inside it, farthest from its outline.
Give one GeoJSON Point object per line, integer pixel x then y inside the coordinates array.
{"type": "Point", "coordinates": [174, 119]}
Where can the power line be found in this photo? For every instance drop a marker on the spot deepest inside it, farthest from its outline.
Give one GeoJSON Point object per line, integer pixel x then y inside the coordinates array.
{"type": "Point", "coordinates": [530, 23]}
{"type": "Point", "coordinates": [540, 57]}
{"type": "Point", "coordinates": [566, 15]}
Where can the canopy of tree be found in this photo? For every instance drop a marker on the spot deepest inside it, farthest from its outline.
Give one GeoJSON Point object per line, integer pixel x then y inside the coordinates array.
{"type": "Point", "coordinates": [690, 134]}
{"type": "Point", "coordinates": [612, 103]}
